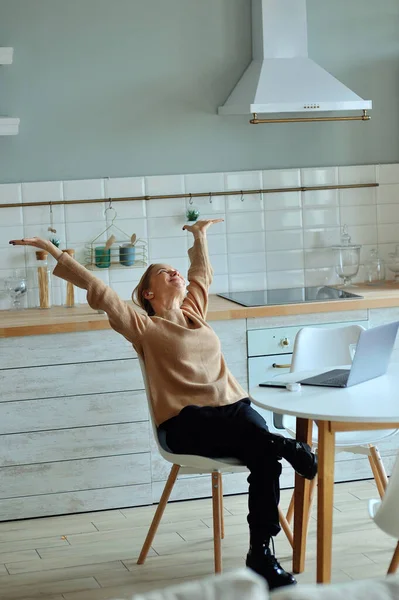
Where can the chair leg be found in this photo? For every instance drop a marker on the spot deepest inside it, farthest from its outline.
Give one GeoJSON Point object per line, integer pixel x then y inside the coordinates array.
{"type": "Point", "coordinates": [217, 542]}
{"type": "Point", "coordinates": [376, 476]}
{"type": "Point", "coordinates": [158, 513]}
{"type": "Point", "coordinates": [286, 527]}
{"type": "Point", "coordinates": [290, 511]}
{"type": "Point", "coordinates": [394, 562]}
{"type": "Point", "coordinates": [379, 465]}
{"type": "Point", "coordinates": [221, 506]}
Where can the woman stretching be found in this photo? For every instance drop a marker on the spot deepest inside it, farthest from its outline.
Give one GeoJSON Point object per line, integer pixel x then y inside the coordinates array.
{"type": "Point", "coordinates": [196, 400]}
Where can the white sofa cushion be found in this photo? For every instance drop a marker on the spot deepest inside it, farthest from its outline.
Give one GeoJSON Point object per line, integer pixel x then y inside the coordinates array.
{"type": "Point", "coordinates": [367, 589]}
{"type": "Point", "coordinates": [242, 584]}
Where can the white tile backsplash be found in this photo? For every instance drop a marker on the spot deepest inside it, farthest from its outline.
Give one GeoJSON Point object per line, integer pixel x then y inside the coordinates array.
{"type": "Point", "coordinates": [290, 239]}
{"type": "Point", "coordinates": [247, 281]}
{"type": "Point", "coordinates": [247, 263]}
{"type": "Point", "coordinates": [164, 185]}
{"type": "Point", "coordinates": [243, 242]}
{"type": "Point", "coordinates": [11, 216]}
{"type": "Point", "coordinates": [84, 189]}
{"type": "Point", "coordinates": [284, 260]}
{"type": "Point", "coordinates": [320, 217]}
{"type": "Point", "coordinates": [274, 240]}
{"type": "Point", "coordinates": [91, 212]}
{"type": "Point", "coordinates": [124, 187]}
{"type": "Point", "coordinates": [170, 208]}
{"type": "Point", "coordinates": [388, 173]}
{"type": "Point", "coordinates": [281, 178]}
{"type": "Point", "coordinates": [244, 223]}
{"type": "Point", "coordinates": [42, 191]}
{"type": "Point", "coordinates": [283, 219]}
{"type": "Point", "coordinates": [320, 198]}
{"type": "Point", "coordinates": [321, 238]}
{"type": "Point", "coordinates": [204, 182]}
{"type": "Point", "coordinates": [10, 193]}
{"type": "Point", "coordinates": [351, 215]}
{"type": "Point", "coordinates": [157, 227]}
{"type": "Point", "coordinates": [357, 174]}
{"type": "Point", "coordinates": [282, 200]}
{"type": "Point", "coordinates": [388, 213]}
{"type": "Point", "coordinates": [285, 279]}
{"type": "Point", "coordinates": [319, 176]}
{"type": "Point", "coordinates": [357, 196]}
{"type": "Point", "coordinates": [169, 247]}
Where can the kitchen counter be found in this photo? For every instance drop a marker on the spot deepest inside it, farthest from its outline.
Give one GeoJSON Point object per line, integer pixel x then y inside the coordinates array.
{"type": "Point", "coordinates": [82, 318]}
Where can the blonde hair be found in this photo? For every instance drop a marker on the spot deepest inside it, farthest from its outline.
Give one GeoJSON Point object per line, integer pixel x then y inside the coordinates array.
{"type": "Point", "coordinates": [138, 292]}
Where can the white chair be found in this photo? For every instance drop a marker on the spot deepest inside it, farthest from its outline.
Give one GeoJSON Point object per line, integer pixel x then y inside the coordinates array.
{"type": "Point", "coordinates": [324, 348]}
{"type": "Point", "coordinates": [385, 513]}
{"type": "Point", "coordinates": [191, 464]}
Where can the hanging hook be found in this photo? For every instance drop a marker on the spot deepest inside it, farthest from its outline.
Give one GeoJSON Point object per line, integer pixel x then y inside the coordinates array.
{"type": "Point", "coordinates": [242, 196]}
{"type": "Point", "coordinates": [51, 228]}
{"type": "Point", "coordinates": [110, 207]}
{"type": "Point", "coordinates": [191, 200]}
{"type": "Point", "coordinates": [210, 197]}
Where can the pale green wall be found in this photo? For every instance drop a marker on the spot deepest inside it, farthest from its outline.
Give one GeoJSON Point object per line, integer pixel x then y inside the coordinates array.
{"type": "Point", "coordinates": [130, 87]}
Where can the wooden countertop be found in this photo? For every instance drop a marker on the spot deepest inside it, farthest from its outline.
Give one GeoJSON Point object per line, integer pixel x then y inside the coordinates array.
{"type": "Point", "coordinates": [83, 318]}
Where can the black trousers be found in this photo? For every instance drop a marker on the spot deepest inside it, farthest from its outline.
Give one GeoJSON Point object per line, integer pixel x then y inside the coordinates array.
{"type": "Point", "coordinates": [236, 431]}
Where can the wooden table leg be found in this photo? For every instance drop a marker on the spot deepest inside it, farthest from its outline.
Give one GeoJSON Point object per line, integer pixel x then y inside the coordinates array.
{"type": "Point", "coordinates": [301, 502]}
{"type": "Point", "coordinates": [325, 501]}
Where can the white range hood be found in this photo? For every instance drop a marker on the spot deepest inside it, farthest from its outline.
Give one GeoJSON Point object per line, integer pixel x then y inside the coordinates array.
{"type": "Point", "coordinates": [281, 77]}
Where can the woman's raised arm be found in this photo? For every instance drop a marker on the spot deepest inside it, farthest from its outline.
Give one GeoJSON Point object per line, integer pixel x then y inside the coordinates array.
{"type": "Point", "coordinates": [122, 317]}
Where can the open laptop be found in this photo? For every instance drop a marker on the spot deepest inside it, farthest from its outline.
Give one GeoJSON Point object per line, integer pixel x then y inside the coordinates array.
{"type": "Point", "coordinates": [371, 359]}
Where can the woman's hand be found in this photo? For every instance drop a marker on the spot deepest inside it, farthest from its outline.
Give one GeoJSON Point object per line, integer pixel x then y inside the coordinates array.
{"type": "Point", "coordinates": [201, 226]}
{"type": "Point", "coordinates": [37, 242]}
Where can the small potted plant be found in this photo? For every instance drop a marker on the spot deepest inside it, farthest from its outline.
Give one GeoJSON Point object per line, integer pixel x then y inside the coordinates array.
{"type": "Point", "coordinates": [192, 214]}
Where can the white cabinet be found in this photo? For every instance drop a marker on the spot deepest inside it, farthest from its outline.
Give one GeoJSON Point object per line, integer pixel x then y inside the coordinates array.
{"type": "Point", "coordinates": [74, 428]}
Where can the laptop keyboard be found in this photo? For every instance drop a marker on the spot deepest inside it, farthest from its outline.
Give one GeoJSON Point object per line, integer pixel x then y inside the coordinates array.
{"type": "Point", "coordinates": [340, 379]}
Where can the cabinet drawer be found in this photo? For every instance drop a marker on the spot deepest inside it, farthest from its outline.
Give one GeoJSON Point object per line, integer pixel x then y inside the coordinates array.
{"type": "Point", "coordinates": [264, 368]}
{"type": "Point", "coordinates": [280, 340]}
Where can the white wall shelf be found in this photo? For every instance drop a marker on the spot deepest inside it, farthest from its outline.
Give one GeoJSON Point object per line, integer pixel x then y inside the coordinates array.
{"type": "Point", "coordinates": [6, 55]}
{"type": "Point", "coordinates": [9, 126]}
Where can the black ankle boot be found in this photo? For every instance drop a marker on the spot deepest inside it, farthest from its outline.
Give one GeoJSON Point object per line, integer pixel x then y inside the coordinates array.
{"type": "Point", "coordinates": [298, 454]}
{"type": "Point", "coordinates": [261, 560]}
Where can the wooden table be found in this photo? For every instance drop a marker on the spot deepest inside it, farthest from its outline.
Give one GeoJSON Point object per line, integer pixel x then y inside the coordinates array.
{"type": "Point", "coordinates": [370, 405]}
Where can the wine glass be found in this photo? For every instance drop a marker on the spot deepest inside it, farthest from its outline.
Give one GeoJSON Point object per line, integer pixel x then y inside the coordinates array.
{"type": "Point", "coordinates": [348, 262]}
{"type": "Point", "coordinates": [16, 288]}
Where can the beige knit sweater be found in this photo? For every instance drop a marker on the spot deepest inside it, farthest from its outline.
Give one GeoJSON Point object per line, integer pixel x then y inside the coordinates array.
{"type": "Point", "coordinates": [182, 353]}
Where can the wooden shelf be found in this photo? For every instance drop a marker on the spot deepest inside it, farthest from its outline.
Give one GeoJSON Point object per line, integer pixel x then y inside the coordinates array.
{"type": "Point", "coordinates": [6, 56]}
{"type": "Point", "coordinates": [9, 126]}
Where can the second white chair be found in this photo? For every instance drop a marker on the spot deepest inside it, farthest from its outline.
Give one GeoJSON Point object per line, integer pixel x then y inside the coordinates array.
{"type": "Point", "coordinates": [385, 513]}
{"type": "Point", "coordinates": [324, 348]}
{"type": "Point", "coordinates": [183, 464]}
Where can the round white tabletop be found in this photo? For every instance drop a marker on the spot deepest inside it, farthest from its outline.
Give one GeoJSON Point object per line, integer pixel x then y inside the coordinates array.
{"type": "Point", "coordinates": [374, 401]}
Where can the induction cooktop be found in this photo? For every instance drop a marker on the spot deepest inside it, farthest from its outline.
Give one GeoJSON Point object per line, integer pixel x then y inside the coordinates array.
{"type": "Point", "coordinates": [288, 296]}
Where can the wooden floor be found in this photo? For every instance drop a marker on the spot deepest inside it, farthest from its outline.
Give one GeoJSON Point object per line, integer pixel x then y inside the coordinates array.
{"type": "Point", "coordinates": [93, 556]}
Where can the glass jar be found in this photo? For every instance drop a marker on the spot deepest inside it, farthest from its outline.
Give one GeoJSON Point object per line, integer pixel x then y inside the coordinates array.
{"type": "Point", "coordinates": [393, 263]}
{"type": "Point", "coordinates": [375, 268]}
{"type": "Point", "coordinates": [41, 281]}
{"type": "Point", "coordinates": [347, 257]}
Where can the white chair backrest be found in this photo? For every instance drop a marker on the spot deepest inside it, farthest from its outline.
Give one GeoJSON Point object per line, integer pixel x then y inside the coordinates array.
{"type": "Point", "coordinates": [320, 347]}
{"type": "Point", "coordinates": [150, 408]}
{"type": "Point", "coordinates": [387, 516]}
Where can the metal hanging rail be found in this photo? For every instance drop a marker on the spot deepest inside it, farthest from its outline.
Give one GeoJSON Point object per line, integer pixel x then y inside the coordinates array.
{"type": "Point", "coordinates": [197, 195]}
{"type": "Point", "coordinates": [362, 117]}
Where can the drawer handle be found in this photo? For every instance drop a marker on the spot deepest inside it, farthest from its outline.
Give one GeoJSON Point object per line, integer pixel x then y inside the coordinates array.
{"type": "Point", "coordinates": [276, 366]}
